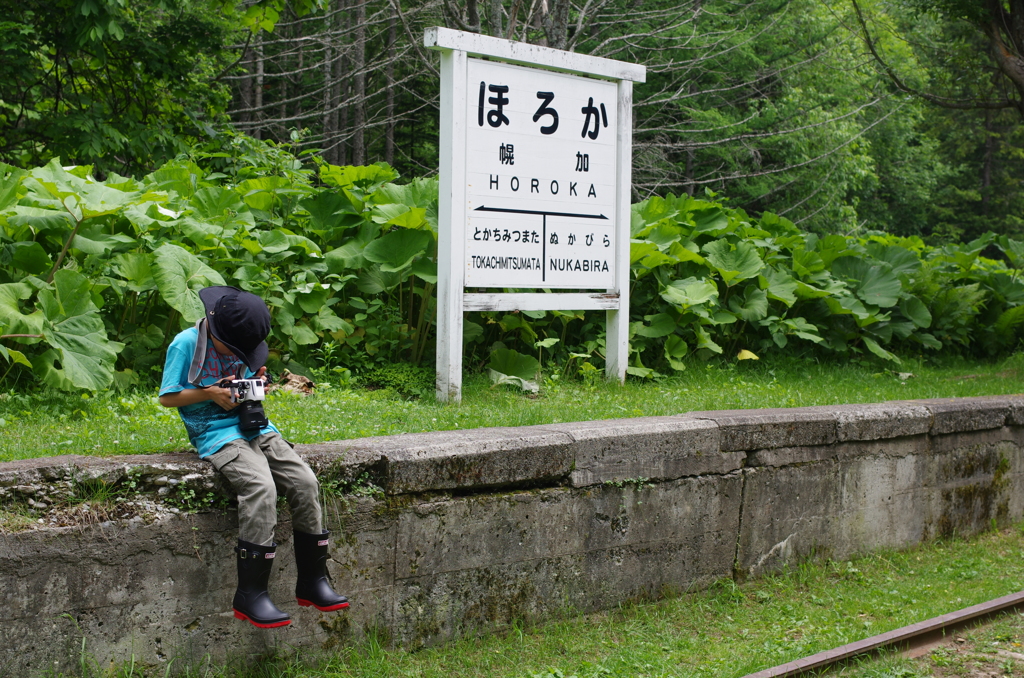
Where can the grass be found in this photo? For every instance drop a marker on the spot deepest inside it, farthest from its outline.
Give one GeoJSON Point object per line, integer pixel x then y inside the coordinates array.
{"type": "Point", "coordinates": [729, 630]}
{"type": "Point", "coordinates": [47, 423]}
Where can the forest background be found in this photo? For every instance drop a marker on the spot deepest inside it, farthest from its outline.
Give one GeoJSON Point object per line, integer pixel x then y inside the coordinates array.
{"type": "Point", "coordinates": [879, 145]}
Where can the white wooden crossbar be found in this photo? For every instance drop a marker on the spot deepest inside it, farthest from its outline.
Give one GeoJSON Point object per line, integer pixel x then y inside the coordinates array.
{"type": "Point", "coordinates": [566, 301]}
{"type": "Point", "coordinates": [532, 55]}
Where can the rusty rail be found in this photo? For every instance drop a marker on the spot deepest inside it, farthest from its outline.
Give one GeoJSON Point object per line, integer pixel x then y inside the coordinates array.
{"type": "Point", "coordinates": [907, 637]}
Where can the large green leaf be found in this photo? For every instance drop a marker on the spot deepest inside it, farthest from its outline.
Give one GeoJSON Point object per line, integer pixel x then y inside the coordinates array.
{"type": "Point", "coordinates": [649, 212]}
{"type": "Point", "coordinates": [830, 248]}
{"type": "Point", "coordinates": [508, 366]}
{"type": "Point", "coordinates": [689, 292]}
{"type": "Point", "coordinates": [902, 260]}
{"type": "Point", "coordinates": [12, 318]}
{"type": "Point", "coordinates": [710, 219]}
{"type": "Point", "coordinates": [915, 311]}
{"type": "Point", "coordinates": [86, 197]}
{"type": "Point", "coordinates": [372, 280]}
{"type": "Point", "coordinates": [803, 329]}
{"type": "Point", "coordinates": [704, 341]}
{"type": "Point", "coordinates": [179, 276]}
{"type": "Point", "coordinates": [779, 286]}
{"type": "Point", "coordinates": [733, 263]}
{"type": "Point", "coordinates": [417, 193]}
{"type": "Point", "coordinates": [397, 214]}
{"type": "Point", "coordinates": [180, 178]}
{"type": "Point", "coordinates": [73, 327]}
{"type": "Point", "coordinates": [664, 234]}
{"type": "Point", "coordinates": [329, 210]}
{"type": "Point", "coordinates": [9, 186]}
{"type": "Point", "coordinates": [396, 250]}
{"type": "Point", "coordinates": [328, 320]}
{"type": "Point", "coordinates": [675, 350]}
{"type": "Point", "coordinates": [640, 250]}
{"type": "Point", "coordinates": [360, 180]}
{"type": "Point", "coordinates": [874, 347]}
{"type": "Point", "coordinates": [264, 193]}
{"type": "Point", "coordinates": [13, 356]}
{"type": "Point", "coordinates": [348, 256]}
{"type": "Point", "coordinates": [752, 307]}
{"type": "Point", "coordinates": [41, 220]}
{"type": "Point", "coordinates": [872, 283]}
{"type": "Point", "coordinates": [303, 335]}
{"type": "Point", "coordinates": [30, 257]}
{"type": "Point", "coordinates": [1013, 249]}
{"type": "Point", "coordinates": [425, 269]}
{"type": "Point", "coordinates": [805, 291]}
{"type": "Point", "coordinates": [97, 242]}
{"type": "Point", "coordinates": [847, 305]}
{"type": "Point", "coordinates": [807, 262]}
{"type": "Point", "coordinates": [661, 324]}
{"type": "Point", "coordinates": [279, 240]}
{"type": "Point", "coordinates": [221, 206]}
{"type": "Point", "coordinates": [311, 296]}
{"type": "Point", "coordinates": [136, 271]}
{"type": "Point", "coordinates": [658, 258]}
{"type": "Point", "coordinates": [686, 252]}
{"type": "Point", "coordinates": [1008, 287]}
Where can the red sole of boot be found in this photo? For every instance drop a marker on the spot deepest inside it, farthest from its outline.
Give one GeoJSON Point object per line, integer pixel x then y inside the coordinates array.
{"type": "Point", "coordinates": [239, 615]}
{"type": "Point", "coordinates": [329, 608]}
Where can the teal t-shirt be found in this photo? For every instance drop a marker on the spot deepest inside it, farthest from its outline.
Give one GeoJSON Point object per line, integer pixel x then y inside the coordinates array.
{"type": "Point", "coordinates": [209, 426]}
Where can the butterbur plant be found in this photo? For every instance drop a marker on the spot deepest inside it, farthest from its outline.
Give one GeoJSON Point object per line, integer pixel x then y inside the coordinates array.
{"type": "Point", "coordinates": [96, 277]}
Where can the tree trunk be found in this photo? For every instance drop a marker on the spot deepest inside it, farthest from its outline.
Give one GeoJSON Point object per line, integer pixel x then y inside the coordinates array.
{"type": "Point", "coordinates": [556, 24]}
{"type": "Point", "coordinates": [988, 161]}
{"type": "Point", "coordinates": [245, 89]}
{"type": "Point", "coordinates": [258, 93]}
{"type": "Point", "coordinates": [282, 108]}
{"type": "Point", "coordinates": [539, 18]}
{"type": "Point", "coordinates": [389, 100]}
{"type": "Point", "coordinates": [494, 19]}
{"type": "Point", "coordinates": [689, 172]}
{"type": "Point", "coordinates": [343, 92]}
{"type": "Point", "coordinates": [359, 86]}
{"type": "Point", "coordinates": [329, 89]}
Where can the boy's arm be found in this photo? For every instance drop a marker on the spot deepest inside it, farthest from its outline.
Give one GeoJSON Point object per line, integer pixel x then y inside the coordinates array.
{"type": "Point", "coordinates": [191, 396]}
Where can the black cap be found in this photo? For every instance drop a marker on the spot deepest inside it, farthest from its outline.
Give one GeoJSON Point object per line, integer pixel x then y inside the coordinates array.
{"type": "Point", "coordinates": [240, 320]}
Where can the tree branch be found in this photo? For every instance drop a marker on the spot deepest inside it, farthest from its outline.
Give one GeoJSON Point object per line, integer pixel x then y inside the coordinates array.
{"type": "Point", "coordinates": [245, 48]}
{"type": "Point", "coordinates": [945, 102]}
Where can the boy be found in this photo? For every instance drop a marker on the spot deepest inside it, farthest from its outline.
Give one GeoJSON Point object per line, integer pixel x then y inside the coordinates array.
{"type": "Point", "coordinates": [229, 343]}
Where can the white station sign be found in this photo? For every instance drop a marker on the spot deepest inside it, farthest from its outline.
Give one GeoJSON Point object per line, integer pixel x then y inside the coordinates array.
{"type": "Point", "coordinates": [534, 187]}
{"type": "Point", "coordinates": [540, 179]}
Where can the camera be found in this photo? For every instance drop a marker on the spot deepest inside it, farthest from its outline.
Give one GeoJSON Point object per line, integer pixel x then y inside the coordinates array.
{"type": "Point", "coordinates": [249, 394]}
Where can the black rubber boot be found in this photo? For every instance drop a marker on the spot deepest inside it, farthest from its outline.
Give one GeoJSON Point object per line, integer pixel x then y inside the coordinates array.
{"type": "Point", "coordinates": [312, 588]}
{"type": "Point", "coordinates": [252, 602]}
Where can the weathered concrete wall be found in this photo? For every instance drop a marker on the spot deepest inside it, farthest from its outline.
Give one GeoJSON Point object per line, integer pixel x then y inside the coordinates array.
{"type": "Point", "coordinates": [475, 528]}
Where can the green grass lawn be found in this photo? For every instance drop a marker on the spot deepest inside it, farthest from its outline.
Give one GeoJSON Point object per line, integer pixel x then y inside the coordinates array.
{"type": "Point", "coordinates": [729, 630]}
{"type": "Point", "coordinates": [46, 423]}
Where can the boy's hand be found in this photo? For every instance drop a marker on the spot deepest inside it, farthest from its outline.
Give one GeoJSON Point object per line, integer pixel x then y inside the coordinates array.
{"type": "Point", "coordinates": [222, 396]}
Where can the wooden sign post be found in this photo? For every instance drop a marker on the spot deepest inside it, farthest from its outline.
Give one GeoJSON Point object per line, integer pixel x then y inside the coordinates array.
{"type": "Point", "coordinates": [536, 152]}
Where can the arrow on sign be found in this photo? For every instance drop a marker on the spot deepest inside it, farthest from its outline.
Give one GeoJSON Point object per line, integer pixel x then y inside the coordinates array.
{"type": "Point", "coordinates": [546, 214]}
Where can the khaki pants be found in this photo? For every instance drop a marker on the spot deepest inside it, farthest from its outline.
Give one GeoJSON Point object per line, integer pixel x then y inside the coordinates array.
{"type": "Point", "coordinates": [258, 470]}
